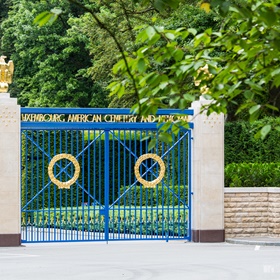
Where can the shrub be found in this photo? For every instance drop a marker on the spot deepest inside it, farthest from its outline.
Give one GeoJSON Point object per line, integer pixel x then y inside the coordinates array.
{"type": "Point", "coordinates": [161, 195]}
{"type": "Point", "coordinates": [241, 145]}
{"type": "Point", "coordinates": [252, 175]}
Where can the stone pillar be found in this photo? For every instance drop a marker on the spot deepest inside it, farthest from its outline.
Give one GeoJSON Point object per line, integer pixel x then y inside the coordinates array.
{"type": "Point", "coordinates": [9, 171]}
{"type": "Point", "coordinates": [208, 175]}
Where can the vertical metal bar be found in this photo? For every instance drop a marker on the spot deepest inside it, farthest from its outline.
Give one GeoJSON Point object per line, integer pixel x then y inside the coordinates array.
{"type": "Point", "coordinates": [60, 191]}
{"type": "Point", "coordinates": [99, 186]}
{"type": "Point", "coordinates": [107, 182]}
{"type": "Point", "coordinates": [141, 193]}
{"type": "Point", "coordinates": [119, 185]}
{"type": "Point", "coordinates": [88, 187]}
{"type": "Point", "coordinates": [32, 186]}
{"type": "Point", "coordinates": [168, 193]}
{"type": "Point", "coordinates": [49, 187]}
{"type": "Point", "coordinates": [129, 180]}
{"type": "Point", "coordinates": [162, 199]}
{"type": "Point", "coordinates": [26, 184]}
{"type": "Point", "coordinates": [83, 186]}
{"type": "Point", "coordinates": [94, 182]}
{"type": "Point", "coordinates": [178, 181]}
{"type": "Point", "coordinates": [190, 184]}
{"type": "Point", "coordinates": [173, 189]}
{"type": "Point", "coordinates": [66, 192]}
{"type": "Point", "coordinates": [185, 170]}
{"type": "Point", "coordinates": [54, 199]}
{"type": "Point", "coordinates": [147, 195]}
{"type": "Point", "coordinates": [77, 190]}
{"type": "Point", "coordinates": [43, 184]}
{"type": "Point", "coordinates": [156, 190]}
{"type": "Point", "coordinates": [135, 186]}
{"type": "Point", "coordinates": [71, 190]}
{"type": "Point", "coordinates": [113, 183]}
{"type": "Point", "coordinates": [124, 181]}
{"type": "Point", "coordinates": [37, 187]}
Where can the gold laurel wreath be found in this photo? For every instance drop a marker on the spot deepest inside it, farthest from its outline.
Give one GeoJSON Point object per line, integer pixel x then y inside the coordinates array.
{"type": "Point", "coordinates": [67, 184]}
{"type": "Point", "coordinates": [149, 184]}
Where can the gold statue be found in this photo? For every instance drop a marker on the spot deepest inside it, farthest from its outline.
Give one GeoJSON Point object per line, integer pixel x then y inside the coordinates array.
{"type": "Point", "coordinates": [6, 74]}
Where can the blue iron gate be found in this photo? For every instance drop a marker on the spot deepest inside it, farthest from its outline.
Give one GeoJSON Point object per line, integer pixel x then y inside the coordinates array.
{"type": "Point", "coordinates": [88, 175]}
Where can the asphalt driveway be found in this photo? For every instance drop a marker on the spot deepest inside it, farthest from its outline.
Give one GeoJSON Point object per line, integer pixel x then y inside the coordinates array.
{"type": "Point", "coordinates": [139, 260]}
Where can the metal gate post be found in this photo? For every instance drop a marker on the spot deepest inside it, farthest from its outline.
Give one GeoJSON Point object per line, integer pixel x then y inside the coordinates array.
{"type": "Point", "coordinates": [9, 171]}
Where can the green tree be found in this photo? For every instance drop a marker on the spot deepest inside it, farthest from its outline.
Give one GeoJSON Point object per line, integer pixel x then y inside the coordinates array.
{"type": "Point", "coordinates": [246, 75]}
{"type": "Point", "coordinates": [51, 61]}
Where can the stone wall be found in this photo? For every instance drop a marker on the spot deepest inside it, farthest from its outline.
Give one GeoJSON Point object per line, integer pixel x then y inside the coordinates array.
{"type": "Point", "coordinates": [252, 212]}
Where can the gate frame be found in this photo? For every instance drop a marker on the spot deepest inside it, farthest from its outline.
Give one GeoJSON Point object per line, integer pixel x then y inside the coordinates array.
{"type": "Point", "coordinates": [106, 127]}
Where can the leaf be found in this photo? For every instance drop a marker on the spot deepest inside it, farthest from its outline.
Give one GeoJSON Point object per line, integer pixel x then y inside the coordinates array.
{"type": "Point", "coordinates": [178, 55]}
{"type": "Point", "coordinates": [275, 72]}
{"type": "Point", "coordinates": [254, 85]}
{"type": "Point", "coordinates": [189, 97]}
{"type": "Point", "coordinates": [272, 107]}
{"type": "Point", "coordinates": [47, 17]}
{"type": "Point", "coordinates": [182, 103]}
{"type": "Point", "coordinates": [198, 64]}
{"type": "Point", "coordinates": [143, 100]}
{"type": "Point", "coordinates": [151, 32]}
{"type": "Point", "coordinates": [163, 85]}
{"type": "Point", "coordinates": [248, 94]}
{"type": "Point", "coordinates": [174, 100]}
{"type": "Point", "coordinates": [170, 36]}
{"type": "Point", "coordinates": [141, 65]}
{"type": "Point", "coordinates": [165, 137]}
{"type": "Point", "coordinates": [254, 109]}
{"type": "Point", "coordinates": [152, 144]}
{"type": "Point", "coordinates": [254, 113]}
{"type": "Point", "coordinates": [192, 31]}
{"type": "Point", "coordinates": [56, 11]}
{"type": "Point", "coordinates": [42, 18]}
{"type": "Point", "coordinates": [263, 132]}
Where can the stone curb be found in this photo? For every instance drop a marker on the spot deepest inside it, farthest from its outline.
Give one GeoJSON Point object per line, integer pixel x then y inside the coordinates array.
{"type": "Point", "coordinates": [254, 242]}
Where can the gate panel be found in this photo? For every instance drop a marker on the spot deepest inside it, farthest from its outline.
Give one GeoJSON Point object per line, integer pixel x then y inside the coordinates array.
{"type": "Point", "coordinates": [79, 182]}
{"type": "Point", "coordinates": [161, 212]}
{"type": "Point", "coordinates": [50, 213]}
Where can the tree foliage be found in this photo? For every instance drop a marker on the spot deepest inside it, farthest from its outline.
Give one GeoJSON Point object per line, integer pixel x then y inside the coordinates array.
{"type": "Point", "coordinates": [247, 74]}
{"type": "Point", "coordinates": [51, 60]}
{"type": "Point", "coordinates": [164, 57]}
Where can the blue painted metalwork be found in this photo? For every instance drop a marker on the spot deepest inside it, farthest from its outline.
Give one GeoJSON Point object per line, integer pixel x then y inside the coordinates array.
{"type": "Point", "coordinates": [100, 111]}
{"type": "Point", "coordinates": [106, 202]}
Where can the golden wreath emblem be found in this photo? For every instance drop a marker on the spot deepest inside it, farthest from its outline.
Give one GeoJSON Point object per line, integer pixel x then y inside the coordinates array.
{"type": "Point", "coordinates": [67, 184]}
{"type": "Point", "coordinates": [149, 184]}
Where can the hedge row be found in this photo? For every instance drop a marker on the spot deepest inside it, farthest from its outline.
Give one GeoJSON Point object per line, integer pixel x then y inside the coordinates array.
{"type": "Point", "coordinates": [241, 145]}
{"type": "Point", "coordinates": [161, 195]}
{"type": "Point", "coordinates": [252, 175]}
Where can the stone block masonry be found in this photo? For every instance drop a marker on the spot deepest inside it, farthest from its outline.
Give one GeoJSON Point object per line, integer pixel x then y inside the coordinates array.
{"type": "Point", "coordinates": [252, 212]}
{"type": "Point", "coordinates": [9, 171]}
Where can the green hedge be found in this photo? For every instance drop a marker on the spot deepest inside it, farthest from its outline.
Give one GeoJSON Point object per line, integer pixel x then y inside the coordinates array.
{"type": "Point", "coordinates": [241, 145]}
{"type": "Point", "coordinates": [252, 175]}
{"type": "Point", "coordinates": [161, 195]}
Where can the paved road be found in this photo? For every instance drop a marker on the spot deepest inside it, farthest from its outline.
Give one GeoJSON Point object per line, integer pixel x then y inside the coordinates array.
{"type": "Point", "coordinates": [139, 261]}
